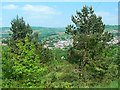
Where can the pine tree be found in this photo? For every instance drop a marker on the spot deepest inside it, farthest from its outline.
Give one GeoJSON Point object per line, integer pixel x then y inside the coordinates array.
{"type": "Point", "coordinates": [18, 31]}
{"type": "Point", "coordinates": [24, 58]}
{"type": "Point", "coordinates": [19, 28]}
{"type": "Point", "coordinates": [89, 44]}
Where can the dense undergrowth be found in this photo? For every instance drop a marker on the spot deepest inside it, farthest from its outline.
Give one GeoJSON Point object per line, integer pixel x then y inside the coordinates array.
{"type": "Point", "coordinates": [57, 73]}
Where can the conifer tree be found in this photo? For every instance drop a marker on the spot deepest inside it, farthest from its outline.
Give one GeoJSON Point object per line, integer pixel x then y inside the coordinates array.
{"type": "Point", "coordinates": [89, 44]}
{"type": "Point", "coordinates": [19, 29]}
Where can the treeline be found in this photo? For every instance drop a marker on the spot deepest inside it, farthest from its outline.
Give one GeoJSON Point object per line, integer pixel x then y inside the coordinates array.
{"type": "Point", "coordinates": [88, 63]}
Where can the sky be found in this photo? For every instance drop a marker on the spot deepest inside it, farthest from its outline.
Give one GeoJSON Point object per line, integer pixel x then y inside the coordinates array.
{"type": "Point", "coordinates": [60, 0]}
{"type": "Point", "coordinates": [55, 14]}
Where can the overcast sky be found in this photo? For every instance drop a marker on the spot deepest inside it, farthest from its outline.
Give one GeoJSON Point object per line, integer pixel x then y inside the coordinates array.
{"type": "Point", "coordinates": [55, 14]}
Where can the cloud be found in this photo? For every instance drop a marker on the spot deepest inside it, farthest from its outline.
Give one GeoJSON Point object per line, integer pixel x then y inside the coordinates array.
{"type": "Point", "coordinates": [102, 13]}
{"type": "Point", "coordinates": [40, 9]}
{"type": "Point", "coordinates": [10, 6]}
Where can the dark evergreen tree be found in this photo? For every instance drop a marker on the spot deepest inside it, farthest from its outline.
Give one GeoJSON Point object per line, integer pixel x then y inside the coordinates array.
{"type": "Point", "coordinates": [19, 29]}
{"type": "Point", "coordinates": [89, 45]}
{"type": "Point", "coordinates": [24, 58]}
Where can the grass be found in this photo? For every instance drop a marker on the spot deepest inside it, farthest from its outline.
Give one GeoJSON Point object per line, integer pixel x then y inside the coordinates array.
{"type": "Point", "coordinates": [113, 84]}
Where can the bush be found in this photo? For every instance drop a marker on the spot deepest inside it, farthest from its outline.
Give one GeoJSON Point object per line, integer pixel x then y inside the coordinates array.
{"type": "Point", "coordinates": [25, 65]}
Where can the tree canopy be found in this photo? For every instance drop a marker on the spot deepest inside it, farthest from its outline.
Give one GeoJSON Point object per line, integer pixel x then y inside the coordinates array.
{"type": "Point", "coordinates": [89, 45]}
{"type": "Point", "coordinates": [20, 29]}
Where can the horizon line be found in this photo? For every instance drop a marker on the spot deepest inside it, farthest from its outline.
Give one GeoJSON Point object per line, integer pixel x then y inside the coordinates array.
{"type": "Point", "coordinates": [58, 26]}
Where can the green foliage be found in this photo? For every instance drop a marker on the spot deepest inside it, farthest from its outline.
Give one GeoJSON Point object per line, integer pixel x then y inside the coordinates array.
{"type": "Point", "coordinates": [24, 57]}
{"type": "Point", "coordinates": [24, 66]}
{"type": "Point", "coordinates": [45, 55]}
{"type": "Point", "coordinates": [60, 73]}
{"type": "Point", "coordinates": [19, 29]}
{"type": "Point", "coordinates": [59, 53]}
{"type": "Point", "coordinates": [89, 45]}
{"type": "Point", "coordinates": [27, 61]}
{"type": "Point", "coordinates": [113, 84]}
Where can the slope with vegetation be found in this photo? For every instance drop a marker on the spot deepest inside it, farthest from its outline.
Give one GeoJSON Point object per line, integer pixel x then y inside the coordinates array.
{"type": "Point", "coordinates": [90, 62]}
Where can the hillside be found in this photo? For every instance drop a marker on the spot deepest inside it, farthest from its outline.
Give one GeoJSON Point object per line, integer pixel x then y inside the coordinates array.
{"type": "Point", "coordinates": [50, 32]}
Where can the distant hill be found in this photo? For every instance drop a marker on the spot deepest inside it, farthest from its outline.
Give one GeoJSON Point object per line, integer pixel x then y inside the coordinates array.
{"type": "Point", "coordinates": [45, 32]}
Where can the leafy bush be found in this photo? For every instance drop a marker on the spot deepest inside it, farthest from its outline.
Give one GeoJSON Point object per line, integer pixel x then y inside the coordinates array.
{"type": "Point", "coordinates": [25, 65]}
